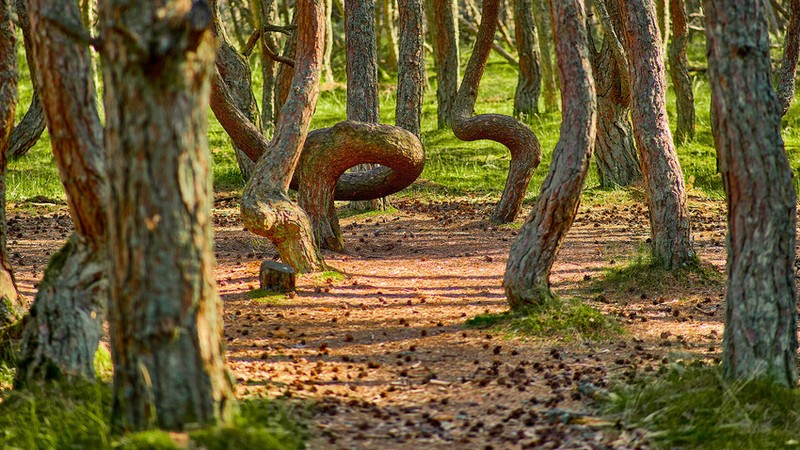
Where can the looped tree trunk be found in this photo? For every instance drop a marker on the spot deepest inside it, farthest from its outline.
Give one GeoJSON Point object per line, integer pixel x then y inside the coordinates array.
{"type": "Point", "coordinates": [266, 208]}
{"type": "Point", "coordinates": [329, 152]}
{"type": "Point", "coordinates": [526, 152]}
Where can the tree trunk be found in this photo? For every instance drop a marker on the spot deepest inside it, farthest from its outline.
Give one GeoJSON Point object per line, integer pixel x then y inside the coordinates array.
{"type": "Point", "coordinates": [165, 314]}
{"type": "Point", "coordinates": [28, 131]}
{"type": "Point", "coordinates": [391, 34]}
{"type": "Point", "coordinates": [662, 16]}
{"type": "Point", "coordinates": [11, 305]}
{"type": "Point", "coordinates": [267, 13]}
{"type": "Point", "coordinates": [329, 152]}
{"type": "Point", "coordinates": [678, 70]}
{"type": "Point", "coordinates": [535, 249]}
{"type": "Point", "coordinates": [235, 71]}
{"type": "Point", "coordinates": [444, 29]}
{"type": "Point", "coordinates": [541, 16]}
{"type": "Point", "coordinates": [266, 207]}
{"type": "Point", "coordinates": [526, 153]}
{"type": "Point", "coordinates": [791, 53]}
{"type": "Point", "coordinates": [472, 29]}
{"type": "Point", "coordinates": [411, 67]}
{"type": "Point", "coordinates": [615, 152]}
{"type": "Point", "coordinates": [526, 98]}
{"type": "Point", "coordinates": [666, 191]}
{"type": "Point", "coordinates": [760, 337]}
{"type": "Point", "coordinates": [327, 70]}
{"type": "Point", "coordinates": [65, 322]}
{"type": "Point", "coordinates": [285, 75]}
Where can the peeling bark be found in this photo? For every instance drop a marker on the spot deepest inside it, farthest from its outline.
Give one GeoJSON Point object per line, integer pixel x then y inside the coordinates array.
{"type": "Point", "coordinates": [679, 71]}
{"type": "Point", "coordinates": [791, 53]}
{"type": "Point", "coordinates": [165, 314]}
{"type": "Point", "coordinates": [760, 338]}
{"type": "Point", "coordinates": [535, 249]}
{"type": "Point", "coordinates": [266, 207]}
{"type": "Point", "coordinates": [526, 153]}
{"type": "Point", "coordinates": [526, 97]}
{"type": "Point", "coordinates": [666, 190]}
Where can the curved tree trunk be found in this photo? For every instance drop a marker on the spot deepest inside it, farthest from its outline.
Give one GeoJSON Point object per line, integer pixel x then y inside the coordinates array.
{"type": "Point", "coordinates": [443, 23]}
{"type": "Point", "coordinates": [666, 191]}
{"type": "Point", "coordinates": [760, 337]}
{"type": "Point", "coordinates": [11, 306]}
{"type": "Point", "coordinates": [411, 67]}
{"type": "Point", "coordinates": [235, 71]}
{"type": "Point", "coordinates": [526, 153]}
{"type": "Point", "coordinates": [329, 152]}
{"type": "Point", "coordinates": [791, 53]}
{"type": "Point", "coordinates": [165, 314]}
{"type": "Point", "coordinates": [266, 207]}
{"type": "Point", "coordinates": [541, 15]}
{"type": "Point", "coordinates": [535, 249]}
{"type": "Point", "coordinates": [529, 84]}
{"type": "Point", "coordinates": [679, 72]}
{"type": "Point", "coordinates": [65, 322]}
{"type": "Point", "coordinates": [615, 152]}
{"type": "Point", "coordinates": [28, 131]}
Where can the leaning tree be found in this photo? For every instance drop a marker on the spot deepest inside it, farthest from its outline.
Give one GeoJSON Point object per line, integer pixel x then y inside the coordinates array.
{"type": "Point", "coordinates": [666, 189]}
{"type": "Point", "coordinates": [526, 153]}
{"type": "Point", "coordinates": [760, 338]}
{"type": "Point", "coordinates": [535, 249]}
{"type": "Point", "coordinates": [164, 312]}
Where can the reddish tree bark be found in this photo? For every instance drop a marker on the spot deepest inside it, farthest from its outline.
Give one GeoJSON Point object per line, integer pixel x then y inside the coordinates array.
{"type": "Point", "coordinates": [266, 207]}
{"type": "Point", "coordinates": [760, 337]}
{"type": "Point", "coordinates": [526, 153]}
{"type": "Point", "coordinates": [666, 190]}
{"type": "Point", "coordinates": [535, 249]}
{"type": "Point", "coordinates": [679, 71]}
{"type": "Point", "coordinates": [791, 53]}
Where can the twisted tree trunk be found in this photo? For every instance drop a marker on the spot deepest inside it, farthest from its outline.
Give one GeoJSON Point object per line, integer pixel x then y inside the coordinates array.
{"type": "Point", "coordinates": [65, 321]}
{"type": "Point", "coordinates": [266, 207]}
{"type": "Point", "coordinates": [615, 152]}
{"type": "Point", "coordinates": [760, 339]}
{"type": "Point", "coordinates": [535, 249]}
{"type": "Point", "coordinates": [11, 306]}
{"type": "Point", "coordinates": [791, 53]}
{"type": "Point", "coordinates": [443, 23]}
{"type": "Point", "coordinates": [679, 72]}
{"type": "Point", "coordinates": [526, 98]}
{"type": "Point", "coordinates": [411, 67]}
{"type": "Point", "coordinates": [666, 191]}
{"type": "Point", "coordinates": [28, 131]}
{"type": "Point", "coordinates": [526, 153]}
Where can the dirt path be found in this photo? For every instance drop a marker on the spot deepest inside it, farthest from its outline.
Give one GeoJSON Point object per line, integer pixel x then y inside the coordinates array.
{"type": "Point", "coordinates": [385, 351]}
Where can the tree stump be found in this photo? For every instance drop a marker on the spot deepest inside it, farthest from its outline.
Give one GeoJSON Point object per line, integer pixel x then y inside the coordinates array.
{"type": "Point", "coordinates": [277, 277]}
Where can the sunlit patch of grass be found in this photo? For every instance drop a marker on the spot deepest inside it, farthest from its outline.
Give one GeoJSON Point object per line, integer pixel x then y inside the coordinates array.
{"type": "Point", "coordinates": [103, 366]}
{"type": "Point", "coordinates": [566, 319]}
{"type": "Point", "coordinates": [329, 276]}
{"type": "Point", "coordinates": [347, 211]}
{"type": "Point", "coordinates": [266, 296]}
{"type": "Point", "coordinates": [695, 408]}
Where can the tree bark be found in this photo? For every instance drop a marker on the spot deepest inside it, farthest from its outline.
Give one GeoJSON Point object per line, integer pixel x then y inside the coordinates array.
{"type": "Point", "coordinates": [65, 321]}
{"type": "Point", "coordinates": [327, 70]}
{"type": "Point", "coordinates": [666, 191]}
{"type": "Point", "coordinates": [28, 131]}
{"type": "Point", "coordinates": [615, 152]}
{"type": "Point", "coordinates": [529, 84]}
{"type": "Point", "coordinates": [541, 16]}
{"type": "Point", "coordinates": [411, 67]}
{"type": "Point", "coordinates": [662, 16]}
{"type": "Point", "coordinates": [266, 207]}
{"type": "Point", "coordinates": [267, 13]}
{"type": "Point", "coordinates": [535, 249]}
{"type": "Point", "coordinates": [235, 71]}
{"type": "Point", "coordinates": [165, 314]}
{"type": "Point", "coordinates": [791, 53]}
{"type": "Point", "coordinates": [285, 75]}
{"type": "Point", "coordinates": [329, 152]}
{"type": "Point", "coordinates": [760, 338]}
{"type": "Point", "coordinates": [443, 25]}
{"type": "Point", "coordinates": [11, 305]}
{"type": "Point", "coordinates": [526, 153]}
{"type": "Point", "coordinates": [679, 71]}
{"type": "Point", "coordinates": [391, 34]}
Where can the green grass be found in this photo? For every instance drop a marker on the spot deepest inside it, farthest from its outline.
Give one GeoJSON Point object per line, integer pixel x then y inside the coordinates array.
{"type": "Point", "coordinates": [566, 319]}
{"type": "Point", "coordinates": [265, 296]}
{"type": "Point", "coordinates": [695, 408]}
{"type": "Point", "coordinates": [76, 415]}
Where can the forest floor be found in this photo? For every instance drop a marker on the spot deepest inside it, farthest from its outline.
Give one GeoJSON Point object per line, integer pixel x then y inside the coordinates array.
{"type": "Point", "coordinates": [382, 346]}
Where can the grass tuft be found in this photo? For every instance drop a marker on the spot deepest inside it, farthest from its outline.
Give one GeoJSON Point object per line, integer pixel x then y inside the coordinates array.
{"type": "Point", "coordinates": [566, 319]}
{"type": "Point", "coordinates": [266, 296]}
{"type": "Point", "coordinates": [693, 407]}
